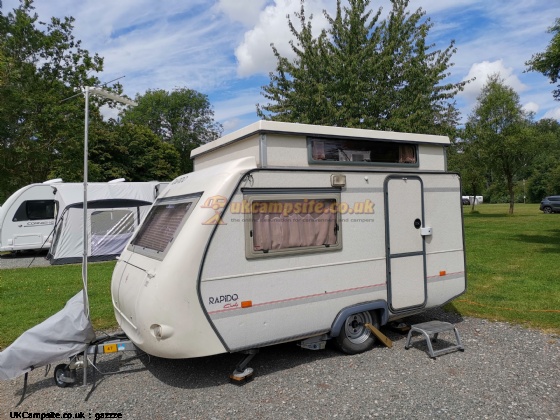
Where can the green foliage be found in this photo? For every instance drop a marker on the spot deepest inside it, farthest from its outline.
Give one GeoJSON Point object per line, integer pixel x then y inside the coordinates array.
{"type": "Point", "coordinates": [548, 62]}
{"type": "Point", "coordinates": [465, 157]}
{"type": "Point", "coordinates": [183, 118]}
{"type": "Point", "coordinates": [42, 117]}
{"type": "Point", "coordinates": [363, 72]}
{"type": "Point", "coordinates": [42, 64]}
{"type": "Point", "coordinates": [116, 150]}
{"type": "Point", "coordinates": [543, 176]}
{"type": "Point", "coordinates": [501, 132]}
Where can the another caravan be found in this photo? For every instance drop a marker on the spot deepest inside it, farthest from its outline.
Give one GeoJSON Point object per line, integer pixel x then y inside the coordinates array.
{"type": "Point", "coordinates": [27, 218]}
{"type": "Point", "coordinates": [114, 210]}
{"type": "Point", "coordinates": [292, 232]}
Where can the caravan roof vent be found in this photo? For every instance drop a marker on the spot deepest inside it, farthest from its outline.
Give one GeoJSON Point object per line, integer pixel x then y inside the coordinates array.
{"type": "Point", "coordinates": [114, 181]}
{"type": "Point", "coordinates": [53, 181]}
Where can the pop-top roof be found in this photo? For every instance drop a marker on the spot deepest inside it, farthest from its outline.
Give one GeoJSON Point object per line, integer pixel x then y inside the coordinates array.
{"type": "Point", "coordinates": [262, 127]}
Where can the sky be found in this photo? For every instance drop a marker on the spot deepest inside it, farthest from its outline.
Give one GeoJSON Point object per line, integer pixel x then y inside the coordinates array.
{"type": "Point", "coordinates": [221, 48]}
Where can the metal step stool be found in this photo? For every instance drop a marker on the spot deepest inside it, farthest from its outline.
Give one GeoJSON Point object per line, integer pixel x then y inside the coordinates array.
{"type": "Point", "coordinates": [434, 328]}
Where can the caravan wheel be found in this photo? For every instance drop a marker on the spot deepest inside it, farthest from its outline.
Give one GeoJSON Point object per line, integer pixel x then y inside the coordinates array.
{"type": "Point", "coordinates": [354, 337]}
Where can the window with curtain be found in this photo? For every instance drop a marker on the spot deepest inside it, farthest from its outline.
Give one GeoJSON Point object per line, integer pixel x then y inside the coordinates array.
{"type": "Point", "coordinates": [362, 151]}
{"type": "Point", "coordinates": [281, 225]}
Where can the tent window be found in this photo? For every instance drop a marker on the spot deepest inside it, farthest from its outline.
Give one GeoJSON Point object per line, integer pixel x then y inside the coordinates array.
{"type": "Point", "coordinates": [283, 225]}
{"type": "Point", "coordinates": [362, 151]}
{"type": "Point", "coordinates": [34, 210]}
{"type": "Point", "coordinates": [161, 226]}
{"type": "Point", "coordinates": [112, 222]}
{"type": "Point", "coordinates": [110, 231]}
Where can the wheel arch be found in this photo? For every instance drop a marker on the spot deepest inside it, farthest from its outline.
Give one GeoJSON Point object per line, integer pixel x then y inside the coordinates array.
{"type": "Point", "coordinates": [379, 306]}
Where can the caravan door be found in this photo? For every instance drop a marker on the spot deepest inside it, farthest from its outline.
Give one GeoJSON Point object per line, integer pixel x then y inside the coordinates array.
{"type": "Point", "coordinates": [406, 257]}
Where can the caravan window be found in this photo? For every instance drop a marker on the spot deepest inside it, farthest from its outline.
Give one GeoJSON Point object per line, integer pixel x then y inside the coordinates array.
{"type": "Point", "coordinates": [361, 152]}
{"type": "Point", "coordinates": [281, 224]}
{"type": "Point", "coordinates": [34, 210]}
{"type": "Point", "coordinates": [162, 224]}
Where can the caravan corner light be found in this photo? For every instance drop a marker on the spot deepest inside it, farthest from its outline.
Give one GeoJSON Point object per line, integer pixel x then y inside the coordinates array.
{"type": "Point", "coordinates": [161, 332]}
{"type": "Point", "coordinates": [114, 181]}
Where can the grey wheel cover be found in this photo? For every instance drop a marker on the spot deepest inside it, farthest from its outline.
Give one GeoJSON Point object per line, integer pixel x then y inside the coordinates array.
{"type": "Point", "coordinates": [355, 329]}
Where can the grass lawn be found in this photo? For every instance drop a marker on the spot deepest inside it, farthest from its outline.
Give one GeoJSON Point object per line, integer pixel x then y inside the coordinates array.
{"type": "Point", "coordinates": [513, 268]}
{"type": "Point", "coordinates": [28, 296]}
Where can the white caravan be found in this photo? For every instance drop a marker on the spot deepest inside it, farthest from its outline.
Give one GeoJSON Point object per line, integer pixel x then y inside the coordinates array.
{"type": "Point", "coordinates": [114, 210]}
{"type": "Point", "coordinates": [289, 232]}
{"type": "Point", "coordinates": [27, 218]}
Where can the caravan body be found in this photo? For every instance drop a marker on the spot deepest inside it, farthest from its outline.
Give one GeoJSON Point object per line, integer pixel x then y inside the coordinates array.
{"type": "Point", "coordinates": [287, 232]}
{"type": "Point", "coordinates": [114, 210]}
{"type": "Point", "coordinates": [27, 218]}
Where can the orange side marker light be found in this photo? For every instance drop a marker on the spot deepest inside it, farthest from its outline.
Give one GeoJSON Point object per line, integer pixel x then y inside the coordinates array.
{"type": "Point", "coordinates": [442, 273]}
{"type": "Point", "coordinates": [246, 303]}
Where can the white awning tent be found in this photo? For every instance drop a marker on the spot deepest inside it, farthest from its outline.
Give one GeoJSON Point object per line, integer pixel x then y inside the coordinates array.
{"type": "Point", "coordinates": [114, 211]}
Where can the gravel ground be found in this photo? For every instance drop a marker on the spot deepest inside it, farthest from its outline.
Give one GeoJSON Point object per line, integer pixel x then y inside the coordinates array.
{"type": "Point", "coordinates": [24, 259]}
{"type": "Point", "coordinates": [505, 372]}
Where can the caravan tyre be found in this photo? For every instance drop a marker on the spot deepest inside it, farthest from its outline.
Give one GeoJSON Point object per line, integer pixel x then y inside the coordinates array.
{"type": "Point", "coordinates": [355, 337]}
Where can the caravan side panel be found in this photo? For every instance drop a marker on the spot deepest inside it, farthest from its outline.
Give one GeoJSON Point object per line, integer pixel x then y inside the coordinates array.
{"type": "Point", "coordinates": [298, 294]}
{"type": "Point", "coordinates": [259, 301]}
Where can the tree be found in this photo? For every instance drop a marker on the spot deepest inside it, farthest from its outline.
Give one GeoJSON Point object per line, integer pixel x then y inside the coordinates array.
{"type": "Point", "coordinates": [364, 73]}
{"type": "Point", "coordinates": [548, 62]}
{"type": "Point", "coordinates": [116, 150]}
{"type": "Point", "coordinates": [42, 63]}
{"type": "Point", "coordinates": [183, 118]}
{"type": "Point", "coordinates": [4, 66]}
{"type": "Point", "coordinates": [466, 158]}
{"type": "Point", "coordinates": [543, 176]}
{"type": "Point", "coordinates": [501, 131]}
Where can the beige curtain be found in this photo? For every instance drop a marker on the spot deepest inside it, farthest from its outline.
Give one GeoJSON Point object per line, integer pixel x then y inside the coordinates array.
{"type": "Point", "coordinates": [318, 150]}
{"type": "Point", "coordinates": [407, 154]}
{"type": "Point", "coordinates": [273, 231]}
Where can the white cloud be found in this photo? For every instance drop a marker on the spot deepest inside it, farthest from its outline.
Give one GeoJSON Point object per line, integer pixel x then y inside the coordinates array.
{"type": "Point", "coordinates": [435, 6]}
{"type": "Point", "coordinates": [240, 11]}
{"type": "Point", "coordinates": [232, 125]}
{"type": "Point", "coordinates": [553, 113]}
{"type": "Point", "coordinates": [531, 107]}
{"type": "Point", "coordinates": [222, 47]}
{"type": "Point", "coordinates": [254, 55]}
{"type": "Point", "coordinates": [232, 108]}
{"type": "Point", "coordinates": [481, 71]}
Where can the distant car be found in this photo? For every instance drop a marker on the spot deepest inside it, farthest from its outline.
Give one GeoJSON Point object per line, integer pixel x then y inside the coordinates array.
{"type": "Point", "coordinates": [465, 201]}
{"type": "Point", "coordinates": [550, 204]}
